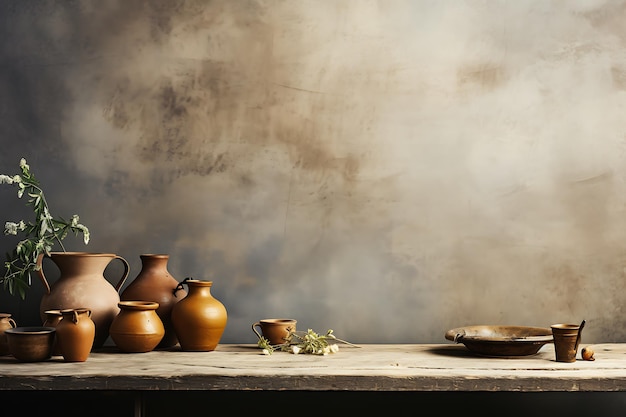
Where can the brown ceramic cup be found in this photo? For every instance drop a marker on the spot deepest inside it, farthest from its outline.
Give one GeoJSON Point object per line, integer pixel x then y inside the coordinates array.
{"type": "Point", "coordinates": [565, 341]}
{"type": "Point", "coordinates": [276, 331]}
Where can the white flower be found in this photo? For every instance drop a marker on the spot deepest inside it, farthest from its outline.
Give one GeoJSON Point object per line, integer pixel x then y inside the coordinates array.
{"type": "Point", "coordinates": [23, 164]}
{"type": "Point", "coordinates": [10, 228]}
{"type": "Point", "coordinates": [5, 179]}
{"type": "Point", "coordinates": [45, 225]}
{"type": "Point", "coordinates": [295, 349]}
{"type": "Point", "coordinates": [266, 352]}
{"type": "Point", "coordinates": [334, 348]}
{"type": "Point", "coordinates": [85, 232]}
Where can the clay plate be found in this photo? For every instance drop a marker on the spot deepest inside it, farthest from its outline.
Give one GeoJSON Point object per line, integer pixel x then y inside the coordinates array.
{"type": "Point", "coordinates": [501, 341]}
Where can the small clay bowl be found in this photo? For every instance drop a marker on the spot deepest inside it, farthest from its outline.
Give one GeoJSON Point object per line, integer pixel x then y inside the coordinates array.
{"type": "Point", "coordinates": [31, 344]}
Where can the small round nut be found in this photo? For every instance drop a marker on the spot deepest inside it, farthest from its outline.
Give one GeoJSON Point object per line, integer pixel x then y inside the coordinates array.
{"type": "Point", "coordinates": [587, 354]}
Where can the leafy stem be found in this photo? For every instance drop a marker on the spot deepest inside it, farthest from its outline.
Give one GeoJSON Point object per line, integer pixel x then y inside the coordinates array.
{"type": "Point", "coordinates": [40, 234]}
{"type": "Point", "coordinates": [305, 342]}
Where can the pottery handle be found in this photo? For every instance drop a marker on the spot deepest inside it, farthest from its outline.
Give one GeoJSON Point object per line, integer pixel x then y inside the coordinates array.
{"type": "Point", "coordinates": [124, 275]}
{"type": "Point", "coordinates": [580, 331]}
{"type": "Point", "coordinates": [40, 272]}
{"type": "Point", "coordinates": [12, 323]}
{"type": "Point", "coordinates": [257, 324]}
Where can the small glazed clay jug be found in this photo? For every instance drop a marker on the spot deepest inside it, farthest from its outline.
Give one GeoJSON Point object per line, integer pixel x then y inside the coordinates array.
{"type": "Point", "coordinates": [154, 283]}
{"type": "Point", "coordinates": [199, 319]}
{"type": "Point", "coordinates": [53, 317]}
{"type": "Point", "coordinates": [137, 328]}
{"type": "Point", "coordinates": [81, 283]}
{"type": "Point", "coordinates": [6, 322]}
{"type": "Point", "coordinates": [75, 334]}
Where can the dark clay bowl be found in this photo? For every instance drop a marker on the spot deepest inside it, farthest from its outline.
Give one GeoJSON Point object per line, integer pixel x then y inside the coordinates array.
{"type": "Point", "coordinates": [501, 341]}
{"type": "Point", "coordinates": [31, 344]}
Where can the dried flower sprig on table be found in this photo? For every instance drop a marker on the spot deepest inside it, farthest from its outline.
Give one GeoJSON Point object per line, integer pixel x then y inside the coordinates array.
{"type": "Point", "coordinates": [41, 234]}
{"type": "Point", "coordinates": [305, 342]}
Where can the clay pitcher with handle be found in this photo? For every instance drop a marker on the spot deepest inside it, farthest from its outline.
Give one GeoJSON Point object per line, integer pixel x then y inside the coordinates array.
{"type": "Point", "coordinates": [154, 283]}
{"type": "Point", "coordinates": [82, 284]}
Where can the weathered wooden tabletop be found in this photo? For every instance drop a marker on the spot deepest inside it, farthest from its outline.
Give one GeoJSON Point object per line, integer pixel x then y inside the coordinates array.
{"type": "Point", "coordinates": [390, 367]}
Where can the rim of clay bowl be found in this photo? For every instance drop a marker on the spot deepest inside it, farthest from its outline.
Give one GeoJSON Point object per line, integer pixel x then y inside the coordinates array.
{"type": "Point", "coordinates": [25, 330]}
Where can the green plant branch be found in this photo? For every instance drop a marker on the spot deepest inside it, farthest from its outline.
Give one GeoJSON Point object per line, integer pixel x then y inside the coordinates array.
{"type": "Point", "coordinates": [41, 234]}
{"type": "Point", "coordinates": [308, 342]}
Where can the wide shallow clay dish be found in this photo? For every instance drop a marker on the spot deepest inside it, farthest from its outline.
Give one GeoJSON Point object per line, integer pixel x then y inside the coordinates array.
{"type": "Point", "coordinates": [501, 341]}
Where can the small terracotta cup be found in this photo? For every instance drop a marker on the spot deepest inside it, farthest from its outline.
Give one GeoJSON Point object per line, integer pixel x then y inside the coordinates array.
{"type": "Point", "coordinates": [276, 331]}
{"type": "Point", "coordinates": [565, 341]}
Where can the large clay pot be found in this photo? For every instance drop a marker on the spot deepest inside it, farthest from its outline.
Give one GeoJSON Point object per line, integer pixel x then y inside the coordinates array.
{"type": "Point", "coordinates": [6, 322]}
{"type": "Point", "coordinates": [154, 283]}
{"type": "Point", "coordinates": [137, 328]}
{"type": "Point", "coordinates": [82, 284]}
{"type": "Point", "coordinates": [75, 334]}
{"type": "Point", "coordinates": [199, 319]}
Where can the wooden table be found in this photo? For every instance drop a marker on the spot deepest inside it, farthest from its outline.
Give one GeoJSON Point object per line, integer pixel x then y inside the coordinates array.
{"type": "Point", "coordinates": [369, 369]}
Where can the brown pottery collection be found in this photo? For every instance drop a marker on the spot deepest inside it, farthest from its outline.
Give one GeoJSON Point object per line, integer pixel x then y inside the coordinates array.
{"type": "Point", "coordinates": [82, 284]}
{"type": "Point", "coordinates": [154, 283]}
{"type": "Point", "coordinates": [80, 309]}
{"type": "Point", "coordinates": [137, 328]}
{"type": "Point", "coordinates": [199, 319]}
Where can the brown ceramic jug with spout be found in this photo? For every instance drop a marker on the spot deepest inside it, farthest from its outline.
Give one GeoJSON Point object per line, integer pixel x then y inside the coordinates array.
{"type": "Point", "coordinates": [154, 283]}
{"type": "Point", "coordinates": [82, 284]}
{"type": "Point", "coordinates": [199, 319]}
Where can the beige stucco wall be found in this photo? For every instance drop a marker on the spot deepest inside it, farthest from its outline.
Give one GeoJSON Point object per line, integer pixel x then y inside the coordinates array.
{"type": "Point", "coordinates": [387, 169]}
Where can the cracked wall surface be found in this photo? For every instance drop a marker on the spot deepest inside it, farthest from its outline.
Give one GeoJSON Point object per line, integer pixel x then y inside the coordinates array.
{"type": "Point", "coordinates": [389, 170]}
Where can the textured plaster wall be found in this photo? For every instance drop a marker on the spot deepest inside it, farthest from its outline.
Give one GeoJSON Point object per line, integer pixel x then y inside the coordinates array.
{"type": "Point", "coordinates": [387, 169]}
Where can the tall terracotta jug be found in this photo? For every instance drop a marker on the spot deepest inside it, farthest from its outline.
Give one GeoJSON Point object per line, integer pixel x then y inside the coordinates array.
{"type": "Point", "coordinates": [81, 284]}
{"type": "Point", "coordinates": [155, 284]}
{"type": "Point", "coordinates": [75, 334]}
{"type": "Point", "coordinates": [199, 319]}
